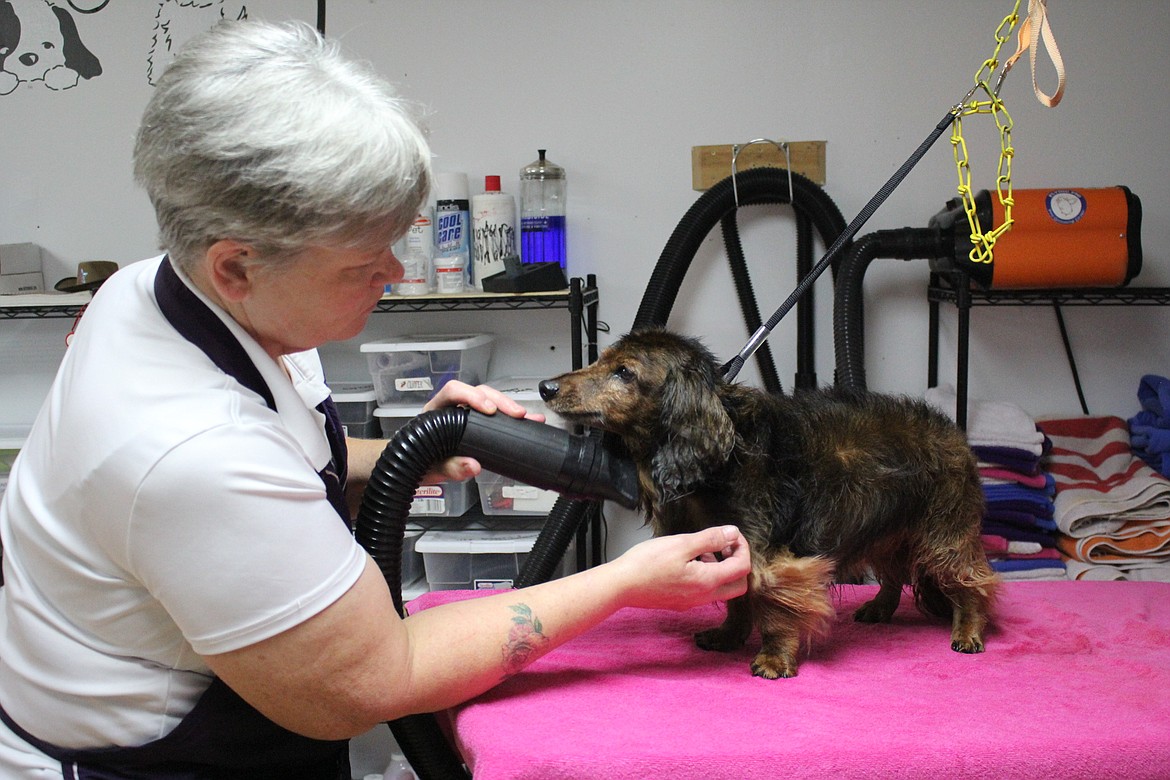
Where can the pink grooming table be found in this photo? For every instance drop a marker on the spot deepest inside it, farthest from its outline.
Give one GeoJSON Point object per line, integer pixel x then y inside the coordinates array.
{"type": "Point", "coordinates": [1075, 683]}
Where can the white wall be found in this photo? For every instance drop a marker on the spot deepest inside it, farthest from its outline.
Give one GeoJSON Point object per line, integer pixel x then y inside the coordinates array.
{"type": "Point", "coordinates": [619, 92]}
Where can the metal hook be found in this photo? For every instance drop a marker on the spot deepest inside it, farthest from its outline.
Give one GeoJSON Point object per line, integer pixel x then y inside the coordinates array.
{"type": "Point", "coordinates": [781, 145]}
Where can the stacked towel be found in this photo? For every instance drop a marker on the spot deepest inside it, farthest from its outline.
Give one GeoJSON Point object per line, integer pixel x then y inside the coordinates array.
{"type": "Point", "coordinates": [1019, 527]}
{"type": "Point", "coordinates": [1149, 429]}
{"type": "Point", "coordinates": [1112, 510]}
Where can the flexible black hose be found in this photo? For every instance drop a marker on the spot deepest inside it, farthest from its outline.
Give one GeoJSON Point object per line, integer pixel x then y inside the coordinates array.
{"type": "Point", "coordinates": [536, 454]}
{"type": "Point", "coordinates": [381, 519]}
{"type": "Point", "coordinates": [848, 302]}
{"type": "Point", "coordinates": [556, 535]}
{"type": "Point", "coordinates": [747, 298]}
{"type": "Point", "coordinates": [379, 528]}
{"type": "Point", "coordinates": [806, 375]}
{"type": "Point", "coordinates": [755, 186]}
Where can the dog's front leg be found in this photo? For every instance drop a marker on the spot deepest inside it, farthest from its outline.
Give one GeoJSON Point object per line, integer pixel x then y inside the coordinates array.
{"type": "Point", "coordinates": [734, 631]}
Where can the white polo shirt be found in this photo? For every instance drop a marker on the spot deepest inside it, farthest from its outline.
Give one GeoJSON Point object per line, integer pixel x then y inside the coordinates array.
{"type": "Point", "coordinates": [159, 511]}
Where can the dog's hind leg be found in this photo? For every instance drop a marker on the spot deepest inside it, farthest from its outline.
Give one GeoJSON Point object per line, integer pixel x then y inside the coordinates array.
{"type": "Point", "coordinates": [972, 595]}
{"type": "Point", "coordinates": [892, 572]}
{"type": "Point", "coordinates": [956, 568]}
{"type": "Point", "coordinates": [790, 601]}
{"type": "Point", "coordinates": [881, 608]}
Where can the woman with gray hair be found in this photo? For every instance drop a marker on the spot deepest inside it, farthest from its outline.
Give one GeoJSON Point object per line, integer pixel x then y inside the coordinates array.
{"type": "Point", "coordinates": [183, 597]}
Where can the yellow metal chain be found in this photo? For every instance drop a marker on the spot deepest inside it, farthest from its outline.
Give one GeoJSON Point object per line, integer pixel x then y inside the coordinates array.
{"type": "Point", "coordinates": [983, 243]}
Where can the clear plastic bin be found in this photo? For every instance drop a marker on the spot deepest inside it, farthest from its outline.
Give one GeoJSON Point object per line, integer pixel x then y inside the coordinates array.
{"type": "Point", "coordinates": [412, 561]}
{"type": "Point", "coordinates": [356, 403]}
{"type": "Point", "coordinates": [446, 499]}
{"type": "Point", "coordinates": [411, 369]}
{"type": "Point", "coordinates": [474, 560]}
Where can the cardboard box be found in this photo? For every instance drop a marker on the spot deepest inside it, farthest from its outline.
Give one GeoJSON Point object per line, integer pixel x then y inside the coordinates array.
{"type": "Point", "coordinates": [20, 259]}
{"type": "Point", "coordinates": [19, 284]}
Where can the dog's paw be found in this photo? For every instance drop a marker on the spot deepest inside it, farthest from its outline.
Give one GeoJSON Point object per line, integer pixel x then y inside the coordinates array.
{"type": "Point", "coordinates": [61, 77]}
{"type": "Point", "coordinates": [772, 667]}
{"type": "Point", "coordinates": [969, 644]}
{"type": "Point", "coordinates": [874, 612]}
{"type": "Point", "coordinates": [718, 639]}
{"type": "Point", "coordinates": [8, 82]}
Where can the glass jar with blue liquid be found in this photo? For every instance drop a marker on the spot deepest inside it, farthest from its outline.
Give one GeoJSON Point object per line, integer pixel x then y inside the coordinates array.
{"type": "Point", "coordinates": [542, 212]}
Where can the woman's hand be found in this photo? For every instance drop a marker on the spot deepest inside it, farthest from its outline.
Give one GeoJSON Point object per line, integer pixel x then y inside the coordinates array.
{"type": "Point", "coordinates": [685, 570]}
{"type": "Point", "coordinates": [483, 399]}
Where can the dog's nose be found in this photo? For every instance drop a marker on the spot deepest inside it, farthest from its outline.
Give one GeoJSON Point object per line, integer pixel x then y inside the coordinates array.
{"type": "Point", "coordinates": [548, 388]}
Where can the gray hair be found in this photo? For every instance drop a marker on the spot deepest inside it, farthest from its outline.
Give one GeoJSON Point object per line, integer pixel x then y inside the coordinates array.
{"type": "Point", "coordinates": [265, 134]}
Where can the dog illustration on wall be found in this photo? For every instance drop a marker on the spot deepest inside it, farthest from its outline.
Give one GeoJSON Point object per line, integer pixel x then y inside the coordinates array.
{"type": "Point", "coordinates": [178, 20]}
{"type": "Point", "coordinates": [39, 43]}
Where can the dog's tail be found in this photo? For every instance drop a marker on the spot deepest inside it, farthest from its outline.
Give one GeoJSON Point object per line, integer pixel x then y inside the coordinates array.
{"type": "Point", "coordinates": [796, 591]}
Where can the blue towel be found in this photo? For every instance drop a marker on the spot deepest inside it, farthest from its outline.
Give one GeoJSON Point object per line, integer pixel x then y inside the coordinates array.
{"type": "Point", "coordinates": [1154, 394]}
{"type": "Point", "coordinates": [1149, 429]}
{"type": "Point", "coordinates": [1017, 534]}
{"type": "Point", "coordinates": [1027, 564]}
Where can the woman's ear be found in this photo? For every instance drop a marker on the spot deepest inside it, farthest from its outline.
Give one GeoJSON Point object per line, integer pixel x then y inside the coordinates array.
{"type": "Point", "coordinates": [229, 269]}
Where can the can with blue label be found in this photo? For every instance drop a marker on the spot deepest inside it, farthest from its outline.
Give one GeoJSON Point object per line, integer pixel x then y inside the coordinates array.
{"type": "Point", "coordinates": [452, 233]}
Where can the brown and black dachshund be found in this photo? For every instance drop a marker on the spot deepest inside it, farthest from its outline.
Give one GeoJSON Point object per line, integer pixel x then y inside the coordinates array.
{"type": "Point", "coordinates": [824, 484]}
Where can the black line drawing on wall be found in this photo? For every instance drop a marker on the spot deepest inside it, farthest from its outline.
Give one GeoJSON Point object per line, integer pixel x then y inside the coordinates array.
{"type": "Point", "coordinates": [178, 20]}
{"type": "Point", "coordinates": [39, 45]}
{"type": "Point", "coordinates": [91, 7]}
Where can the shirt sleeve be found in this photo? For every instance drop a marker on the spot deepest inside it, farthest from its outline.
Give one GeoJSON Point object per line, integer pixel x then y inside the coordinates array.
{"type": "Point", "coordinates": [233, 534]}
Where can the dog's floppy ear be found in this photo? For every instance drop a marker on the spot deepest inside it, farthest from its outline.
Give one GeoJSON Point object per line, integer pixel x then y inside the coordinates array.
{"type": "Point", "coordinates": [77, 57]}
{"type": "Point", "coordinates": [697, 434]}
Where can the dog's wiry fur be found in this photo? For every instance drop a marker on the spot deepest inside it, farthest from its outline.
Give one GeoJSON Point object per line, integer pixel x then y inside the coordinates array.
{"type": "Point", "coordinates": [824, 484]}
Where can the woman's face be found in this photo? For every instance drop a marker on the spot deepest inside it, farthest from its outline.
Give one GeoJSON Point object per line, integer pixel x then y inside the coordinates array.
{"type": "Point", "coordinates": [320, 296]}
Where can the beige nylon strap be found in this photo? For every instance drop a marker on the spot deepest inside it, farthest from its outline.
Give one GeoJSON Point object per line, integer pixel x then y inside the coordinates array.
{"type": "Point", "coordinates": [1034, 29]}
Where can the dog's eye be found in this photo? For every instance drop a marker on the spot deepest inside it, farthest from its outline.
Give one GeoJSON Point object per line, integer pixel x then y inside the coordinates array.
{"type": "Point", "coordinates": [624, 373]}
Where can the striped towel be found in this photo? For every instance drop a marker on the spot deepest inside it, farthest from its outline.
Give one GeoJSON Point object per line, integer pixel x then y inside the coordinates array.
{"type": "Point", "coordinates": [1100, 486]}
{"type": "Point", "coordinates": [1138, 541]}
{"type": "Point", "coordinates": [1131, 572]}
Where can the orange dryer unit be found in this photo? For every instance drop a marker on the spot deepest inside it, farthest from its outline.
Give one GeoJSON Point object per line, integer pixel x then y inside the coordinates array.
{"type": "Point", "coordinates": [1069, 237]}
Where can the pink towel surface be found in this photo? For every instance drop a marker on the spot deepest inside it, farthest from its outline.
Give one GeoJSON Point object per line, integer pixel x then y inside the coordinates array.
{"type": "Point", "coordinates": [1072, 685]}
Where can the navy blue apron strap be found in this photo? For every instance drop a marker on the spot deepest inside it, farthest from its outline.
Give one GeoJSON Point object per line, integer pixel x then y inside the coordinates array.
{"type": "Point", "coordinates": [249, 745]}
{"type": "Point", "coordinates": [336, 474]}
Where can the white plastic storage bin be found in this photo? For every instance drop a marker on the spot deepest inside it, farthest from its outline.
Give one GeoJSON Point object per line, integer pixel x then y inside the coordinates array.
{"type": "Point", "coordinates": [500, 495]}
{"type": "Point", "coordinates": [474, 560]}
{"type": "Point", "coordinates": [356, 403]}
{"type": "Point", "coordinates": [411, 369]}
